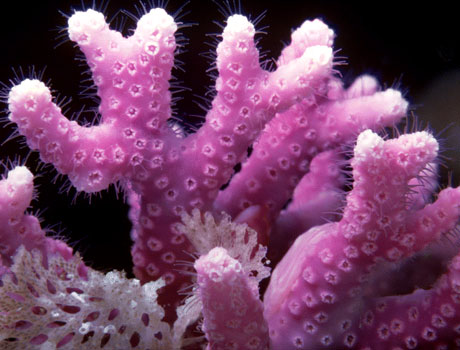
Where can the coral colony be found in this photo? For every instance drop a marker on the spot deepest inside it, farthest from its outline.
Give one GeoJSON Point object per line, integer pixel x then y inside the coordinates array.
{"type": "Point", "coordinates": [335, 255]}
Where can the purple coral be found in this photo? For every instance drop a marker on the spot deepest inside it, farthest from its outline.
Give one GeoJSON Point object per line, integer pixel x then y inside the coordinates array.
{"type": "Point", "coordinates": [289, 116]}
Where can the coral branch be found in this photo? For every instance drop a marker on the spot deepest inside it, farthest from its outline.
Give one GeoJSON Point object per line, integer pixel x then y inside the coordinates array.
{"type": "Point", "coordinates": [289, 142]}
{"type": "Point", "coordinates": [18, 228]}
{"type": "Point", "coordinates": [314, 201]}
{"type": "Point", "coordinates": [231, 307]}
{"type": "Point", "coordinates": [90, 156]}
{"type": "Point", "coordinates": [309, 34]}
{"type": "Point", "coordinates": [247, 98]}
{"type": "Point", "coordinates": [427, 319]}
{"type": "Point", "coordinates": [131, 74]}
{"type": "Point", "coordinates": [315, 296]}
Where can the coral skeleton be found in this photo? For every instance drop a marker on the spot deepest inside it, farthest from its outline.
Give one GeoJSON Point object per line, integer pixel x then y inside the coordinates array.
{"type": "Point", "coordinates": [207, 237]}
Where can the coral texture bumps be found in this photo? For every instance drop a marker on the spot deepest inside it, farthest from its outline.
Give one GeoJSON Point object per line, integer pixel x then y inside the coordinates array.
{"type": "Point", "coordinates": [201, 228]}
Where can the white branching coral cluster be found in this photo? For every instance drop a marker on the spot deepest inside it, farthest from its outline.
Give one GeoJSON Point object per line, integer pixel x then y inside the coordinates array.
{"type": "Point", "coordinates": [63, 307]}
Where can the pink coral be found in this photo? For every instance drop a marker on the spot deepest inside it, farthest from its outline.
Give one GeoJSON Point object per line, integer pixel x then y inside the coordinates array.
{"type": "Point", "coordinates": [289, 129]}
{"type": "Point", "coordinates": [232, 309]}
{"type": "Point", "coordinates": [18, 228]}
{"type": "Point", "coordinates": [314, 201]}
{"type": "Point", "coordinates": [133, 144]}
{"type": "Point", "coordinates": [324, 292]}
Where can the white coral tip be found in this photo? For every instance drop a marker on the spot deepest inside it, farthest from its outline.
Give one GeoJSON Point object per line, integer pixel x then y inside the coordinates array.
{"type": "Point", "coordinates": [28, 95]}
{"type": "Point", "coordinates": [239, 24]}
{"type": "Point", "coordinates": [81, 24]}
{"type": "Point", "coordinates": [20, 176]}
{"type": "Point", "coordinates": [368, 144]}
{"type": "Point", "coordinates": [156, 23]}
{"type": "Point", "coordinates": [313, 33]}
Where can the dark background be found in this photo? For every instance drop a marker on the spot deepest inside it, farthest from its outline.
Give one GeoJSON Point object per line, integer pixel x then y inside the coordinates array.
{"type": "Point", "coordinates": [416, 48]}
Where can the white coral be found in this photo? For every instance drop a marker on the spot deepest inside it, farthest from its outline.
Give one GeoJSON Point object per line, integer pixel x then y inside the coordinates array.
{"type": "Point", "coordinates": [55, 307]}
